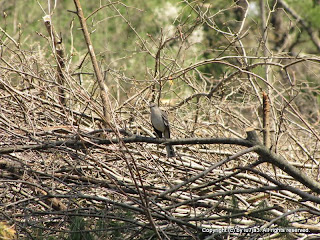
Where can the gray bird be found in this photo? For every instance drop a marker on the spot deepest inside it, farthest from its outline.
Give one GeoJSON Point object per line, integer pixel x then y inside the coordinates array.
{"type": "Point", "coordinates": [160, 123]}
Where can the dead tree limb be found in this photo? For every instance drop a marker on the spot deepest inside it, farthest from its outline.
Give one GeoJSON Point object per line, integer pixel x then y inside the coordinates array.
{"type": "Point", "coordinates": [266, 120]}
{"type": "Point", "coordinates": [59, 52]}
{"type": "Point", "coordinates": [202, 174]}
{"type": "Point", "coordinates": [106, 104]}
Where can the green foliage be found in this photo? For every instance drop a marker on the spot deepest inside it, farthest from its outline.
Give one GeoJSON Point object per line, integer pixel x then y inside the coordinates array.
{"type": "Point", "coordinates": [111, 228]}
{"type": "Point", "coordinates": [78, 229]}
{"type": "Point", "coordinates": [308, 10]}
{"type": "Point", "coordinates": [119, 44]}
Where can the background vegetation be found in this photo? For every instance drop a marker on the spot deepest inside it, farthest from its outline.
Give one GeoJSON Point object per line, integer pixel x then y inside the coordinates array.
{"type": "Point", "coordinates": [64, 174]}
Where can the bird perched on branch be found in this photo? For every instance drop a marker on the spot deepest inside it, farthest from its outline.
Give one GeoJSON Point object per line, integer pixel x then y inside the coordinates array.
{"type": "Point", "coordinates": [160, 123]}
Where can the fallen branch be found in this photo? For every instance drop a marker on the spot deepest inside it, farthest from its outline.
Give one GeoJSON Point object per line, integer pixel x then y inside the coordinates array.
{"type": "Point", "coordinates": [264, 153]}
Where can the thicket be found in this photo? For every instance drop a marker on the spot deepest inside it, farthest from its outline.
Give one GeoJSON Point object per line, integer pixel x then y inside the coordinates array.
{"type": "Point", "coordinates": [240, 83]}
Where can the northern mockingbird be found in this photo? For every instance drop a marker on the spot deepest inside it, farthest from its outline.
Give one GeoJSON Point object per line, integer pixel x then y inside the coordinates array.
{"type": "Point", "coordinates": [160, 123]}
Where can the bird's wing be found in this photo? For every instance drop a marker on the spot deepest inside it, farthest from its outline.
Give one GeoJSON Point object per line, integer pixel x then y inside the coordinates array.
{"type": "Point", "coordinates": [166, 124]}
{"type": "Point", "coordinates": [165, 118]}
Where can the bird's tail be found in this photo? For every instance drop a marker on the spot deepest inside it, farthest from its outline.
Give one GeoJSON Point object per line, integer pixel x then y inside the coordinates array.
{"type": "Point", "coordinates": [170, 151]}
